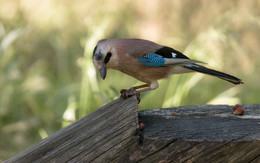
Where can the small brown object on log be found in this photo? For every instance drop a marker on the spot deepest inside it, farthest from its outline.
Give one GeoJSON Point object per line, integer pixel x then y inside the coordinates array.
{"type": "Point", "coordinates": [236, 106]}
{"type": "Point", "coordinates": [141, 126]}
{"type": "Point", "coordinates": [238, 109]}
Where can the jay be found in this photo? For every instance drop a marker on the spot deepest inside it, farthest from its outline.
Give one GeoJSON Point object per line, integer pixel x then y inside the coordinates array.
{"type": "Point", "coordinates": [148, 62]}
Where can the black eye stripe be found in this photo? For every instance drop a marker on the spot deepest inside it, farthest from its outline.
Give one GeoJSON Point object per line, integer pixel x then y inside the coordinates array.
{"type": "Point", "coordinates": [107, 58]}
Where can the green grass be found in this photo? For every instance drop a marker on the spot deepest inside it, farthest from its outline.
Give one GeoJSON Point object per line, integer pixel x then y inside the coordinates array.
{"type": "Point", "coordinates": [47, 79]}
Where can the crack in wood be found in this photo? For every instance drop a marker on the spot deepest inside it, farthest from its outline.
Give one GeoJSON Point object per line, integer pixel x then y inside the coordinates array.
{"type": "Point", "coordinates": [131, 144]}
{"type": "Point", "coordinates": [257, 158]}
{"type": "Point", "coordinates": [108, 150]}
{"type": "Point", "coordinates": [183, 151]}
{"type": "Point", "coordinates": [158, 150]}
{"type": "Point", "coordinates": [207, 151]}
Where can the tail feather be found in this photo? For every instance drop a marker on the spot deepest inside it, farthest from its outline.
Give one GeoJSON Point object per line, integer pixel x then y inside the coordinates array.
{"type": "Point", "coordinates": [218, 74]}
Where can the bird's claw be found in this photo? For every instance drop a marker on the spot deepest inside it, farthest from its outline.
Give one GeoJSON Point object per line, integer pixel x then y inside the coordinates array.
{"type": "Point", "coordinates": [126, 93]}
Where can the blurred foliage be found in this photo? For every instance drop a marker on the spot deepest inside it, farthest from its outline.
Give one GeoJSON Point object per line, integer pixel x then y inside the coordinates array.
{"type": "Point", "coordinates": [47, 78]}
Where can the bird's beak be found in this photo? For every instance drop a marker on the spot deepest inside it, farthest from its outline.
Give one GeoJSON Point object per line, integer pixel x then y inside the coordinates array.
{"type": "Point", "coordinates": [103, 71]}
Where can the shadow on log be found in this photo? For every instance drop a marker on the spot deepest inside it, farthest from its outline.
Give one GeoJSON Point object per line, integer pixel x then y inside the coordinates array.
{"type": "Point", "coordinates": [205, 133]}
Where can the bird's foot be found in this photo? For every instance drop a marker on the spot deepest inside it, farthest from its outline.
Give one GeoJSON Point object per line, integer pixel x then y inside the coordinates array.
{"type": "Point", "coordinates": [126, 93]}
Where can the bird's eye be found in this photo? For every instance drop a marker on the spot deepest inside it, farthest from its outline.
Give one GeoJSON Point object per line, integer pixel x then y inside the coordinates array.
{"type": "Point", "coordinates": [98, 56]}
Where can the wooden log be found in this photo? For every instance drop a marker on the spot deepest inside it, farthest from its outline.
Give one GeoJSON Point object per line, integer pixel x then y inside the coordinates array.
{"type": "Point", "coordinates": [205, 133]}
{"type": "Point", "coordinates": [97, 137]}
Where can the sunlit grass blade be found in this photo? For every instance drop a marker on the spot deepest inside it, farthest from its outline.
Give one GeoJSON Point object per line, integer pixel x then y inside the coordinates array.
{"type": "Point", "coordinates": [89, 83]}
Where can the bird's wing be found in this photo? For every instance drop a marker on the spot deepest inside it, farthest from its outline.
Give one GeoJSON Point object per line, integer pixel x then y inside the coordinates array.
{"type": "Point", "coordinates": [136, 48]}
{"type": "Point", "coordinates": [165, 56]}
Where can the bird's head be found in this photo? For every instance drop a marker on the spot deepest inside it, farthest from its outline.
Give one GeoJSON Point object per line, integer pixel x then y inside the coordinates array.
{"type": "Point", "coordinates": [101, 57]}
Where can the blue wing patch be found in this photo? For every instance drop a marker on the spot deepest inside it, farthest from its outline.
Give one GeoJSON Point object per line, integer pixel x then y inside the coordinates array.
{"type": "Point", "coordinates": [153, 60]}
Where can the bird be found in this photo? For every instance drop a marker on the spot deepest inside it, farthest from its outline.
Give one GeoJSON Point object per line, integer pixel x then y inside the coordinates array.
{"type": "Point", "coordinates": [148, 62]}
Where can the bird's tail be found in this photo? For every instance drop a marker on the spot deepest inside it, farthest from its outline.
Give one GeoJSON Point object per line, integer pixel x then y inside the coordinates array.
{"type": "Point", "coordinates": [218, 74]}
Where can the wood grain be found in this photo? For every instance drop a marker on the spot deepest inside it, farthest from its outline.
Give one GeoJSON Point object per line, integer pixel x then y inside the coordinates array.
{"type": "Point", "coordinates": [203, 133]}
{"type": "Point", "coordinates": [91, 138]}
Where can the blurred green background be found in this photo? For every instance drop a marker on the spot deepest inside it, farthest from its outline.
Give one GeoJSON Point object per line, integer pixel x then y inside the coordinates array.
{"type": "Point", "coordinates": [47, 79]}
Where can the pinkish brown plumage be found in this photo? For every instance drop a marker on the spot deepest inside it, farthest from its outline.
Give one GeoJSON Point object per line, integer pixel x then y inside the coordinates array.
{"type": "Point", "coordinates": [147, 61]}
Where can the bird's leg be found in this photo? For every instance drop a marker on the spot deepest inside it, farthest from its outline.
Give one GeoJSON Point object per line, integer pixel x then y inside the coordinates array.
{"type": "Point", "coordinates": [133, 91]}
{"type": "Point", "coordinates": [152, 86]}
{"type": "Point", "coordinates": [126, 93]}
{"type": "Point", "coordinates": [141, 86]}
